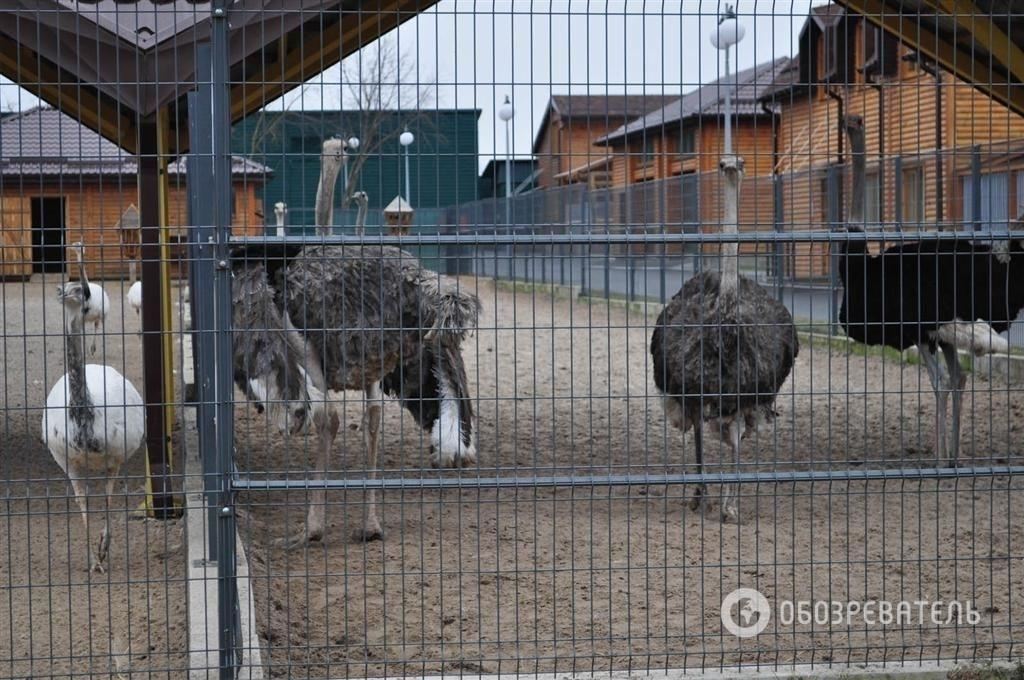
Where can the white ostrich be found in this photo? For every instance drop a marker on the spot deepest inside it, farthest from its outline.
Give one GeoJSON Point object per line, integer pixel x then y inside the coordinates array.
{"type": "Point", "coordinates": [722, 348]}
{"type": "Point", "coordinates": [309, 319]}
{"type": "Point", "coordinates": [280, 211]}
{"type": "Point", "coordinates": [97, 313]}
{"type": "Point", "coordinates": [134, 297]}
{"type": "Point", "coordinates": [94, 419]}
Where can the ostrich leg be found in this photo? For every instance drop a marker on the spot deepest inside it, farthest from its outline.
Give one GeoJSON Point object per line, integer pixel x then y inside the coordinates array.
{"type": "Point", "coordinates": [730, 505]}
{"type": "Point", "coordinates": [957, 379]}
{"type": "Point", "coordinates": [103, 548]}
{"type": "Point", "coordinates": [81, 488]}
{"type": "Point", "coordinates": [372, 415]}
{"type": "Point", "coordinates": [326, 421]}
{"type": "Point", "coordinates": [931, 364]}
{"type": "Point", "coordinates": [700, 496]}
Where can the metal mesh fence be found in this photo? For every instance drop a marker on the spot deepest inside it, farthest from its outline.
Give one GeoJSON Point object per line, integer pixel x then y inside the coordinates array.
{"type": "Point", "coordinates": [487, 338]}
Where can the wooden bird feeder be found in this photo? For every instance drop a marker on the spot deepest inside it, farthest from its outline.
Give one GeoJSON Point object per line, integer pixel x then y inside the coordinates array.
{"type": "Point", "coordinates": [398, 216]}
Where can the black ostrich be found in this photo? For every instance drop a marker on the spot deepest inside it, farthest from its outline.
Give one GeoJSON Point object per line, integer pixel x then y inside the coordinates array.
{"type": "Point", "coordinates": [721, 350]}
{"type": "Point", "coordinates": [925, 294]}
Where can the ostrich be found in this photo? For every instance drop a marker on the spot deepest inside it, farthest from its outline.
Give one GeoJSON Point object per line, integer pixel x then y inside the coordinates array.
{"type": "Point", "coordinates": [134, 297]}
{"type": "Point", "coordinates": [94, 419]}
{"type": "Point", "coordinates": [363, 201]}
{"type": "Point", "coordinates": [371, 318]}
{"type": "Point", "coordinates": [921, 293]}
{"type": "Point", "coordinates": [280, 211]}
{"type": "Point", "coordinates": [97, 311]}
{"type": "Point", "coordinates": [721, 349]}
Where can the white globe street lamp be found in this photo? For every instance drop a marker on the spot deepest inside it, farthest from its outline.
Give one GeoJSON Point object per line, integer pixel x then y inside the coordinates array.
{"type": "Point", "coordinates": [505, 113]}
{"type": "Point", "coordinates": [729, 32]}
{"type": "Point", "coordinates": [406, 139]}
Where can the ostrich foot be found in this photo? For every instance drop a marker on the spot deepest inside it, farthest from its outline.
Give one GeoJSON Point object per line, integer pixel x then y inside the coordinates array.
{"type": "Point", "coordinates": [370, 530]}
{"type": "Point", "coordinates": [700, 499]}
{"type": "Point", "coordinates": [96, 565]}
{"type": "Point", "coordinates": [103, 548]}
{"type": "Point", "coordinates": [730, 509]}
{"type": "Point", "coordinates": [301, 539]}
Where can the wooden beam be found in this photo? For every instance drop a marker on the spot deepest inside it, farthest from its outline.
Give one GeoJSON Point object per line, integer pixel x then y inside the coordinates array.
{"type": "Point", "coordinates": [315, 56]}
{"type": "Point", "coordinates": [909, 29]}
{"type": "Point", "coordinates": [83, 102]}
{"type": "Point", "coordinates": [982, 29]}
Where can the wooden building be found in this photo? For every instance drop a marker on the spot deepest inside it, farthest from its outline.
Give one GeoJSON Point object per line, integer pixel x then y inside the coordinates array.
{"type": "Point", "coordinates": [566, 145]}
{"type": "Point", "coordinates": [667, 160]}
{"type": "Point", "coordinates": [922, 129]}
{"type": "Point", "coordinates": [60, 182]}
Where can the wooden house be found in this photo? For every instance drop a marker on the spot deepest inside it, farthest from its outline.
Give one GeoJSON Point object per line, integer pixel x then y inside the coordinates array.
{"type": "Point", "coordinates": [565, 145]}
{"type": "Point", "coordinates": [922, 126]}
{"type": "Point", "coordinates": [60, 182]}
{"type": "Point", "coordinates": [667, 160]}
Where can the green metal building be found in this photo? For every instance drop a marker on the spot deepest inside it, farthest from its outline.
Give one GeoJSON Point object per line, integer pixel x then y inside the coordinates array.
{"type": "Point", "coordinates": [443, 161]}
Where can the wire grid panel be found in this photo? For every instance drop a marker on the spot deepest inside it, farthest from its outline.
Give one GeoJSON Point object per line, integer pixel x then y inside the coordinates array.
{"type": "Point", "coordinates": [460, 273]}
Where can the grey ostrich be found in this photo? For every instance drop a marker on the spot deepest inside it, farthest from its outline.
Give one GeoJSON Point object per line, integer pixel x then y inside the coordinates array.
{"type": "Point", "coordinates": [721, 349]}
{"type": "Point", "coordinates": [370, 318]}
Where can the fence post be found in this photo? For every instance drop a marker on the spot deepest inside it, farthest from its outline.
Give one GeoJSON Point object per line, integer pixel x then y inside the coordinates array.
{"type": "Point", "coordinates": [834, 216]}
{"type": "Point", "coordinates": [201, 274]}
{"type": "Point", "coordinates": [227, 596]}
{"type": "Point", "coordinates": [777, 218]}
{"type": "Point", "coordinates": [976, 186]}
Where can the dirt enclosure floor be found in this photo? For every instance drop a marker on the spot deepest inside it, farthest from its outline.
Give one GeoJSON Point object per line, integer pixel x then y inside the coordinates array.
{"type": "Point", "coordinates": [597, 578]}
{"type": "Point", "coordinates": [57, 620]}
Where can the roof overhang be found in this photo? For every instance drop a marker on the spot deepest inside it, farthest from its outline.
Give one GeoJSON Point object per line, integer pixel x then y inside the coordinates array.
{"type": "Point", "coordinates": [112, 63]}
{"type": "Point", "coordinates": [979, 41]}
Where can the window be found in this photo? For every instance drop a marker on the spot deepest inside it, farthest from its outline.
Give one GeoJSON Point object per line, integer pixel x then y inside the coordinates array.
{"type": "Point", "coordinates": [687, 143]}
{"type": "Point", "coordinates": [835, 53]}
{"type": "Point", "coordinates": [912, 203]}
{"type": "Point", "coordinates": [995, 201]}
{"type": "Point", "coordinates": [647, 152]}
{"type": "Point", "coordinates": [881, 52]}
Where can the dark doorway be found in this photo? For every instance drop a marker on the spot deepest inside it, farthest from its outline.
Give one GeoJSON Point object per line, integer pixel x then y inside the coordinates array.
{"type": "Point", "coordinates": [48, 234]}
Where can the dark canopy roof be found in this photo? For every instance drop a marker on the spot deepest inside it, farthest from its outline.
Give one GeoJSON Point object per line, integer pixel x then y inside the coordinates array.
{"type": "Point", "coordinates": [979, 41]}
{"type": "Point", "coordinates": [109, 63]}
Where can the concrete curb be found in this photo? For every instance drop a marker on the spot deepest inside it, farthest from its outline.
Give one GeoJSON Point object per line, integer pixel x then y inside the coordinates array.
{"type": "Point", "coordinates": [203, 635]}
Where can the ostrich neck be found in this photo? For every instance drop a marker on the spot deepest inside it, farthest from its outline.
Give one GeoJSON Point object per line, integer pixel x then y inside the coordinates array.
{"type": "Point", "coordinates": [730, 250]}
{"type": "Point", "coordinates": [857, 199]}
{"type": "Point", "coordinates": [330, 166]}
{"type": "Point", "coordinates": [78, 390]}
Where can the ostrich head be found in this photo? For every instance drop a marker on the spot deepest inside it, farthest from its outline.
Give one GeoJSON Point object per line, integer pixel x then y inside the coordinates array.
{"type": "Point", "coordinates": [331, 160]}
{"type": "Point", "coordinates": [269, 353]}
{"type": "Point", "coordinates": [77, 300]}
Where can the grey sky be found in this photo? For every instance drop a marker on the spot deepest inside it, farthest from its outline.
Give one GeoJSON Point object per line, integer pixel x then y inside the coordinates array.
{"type": "Point", "coordinates": [476, 51]}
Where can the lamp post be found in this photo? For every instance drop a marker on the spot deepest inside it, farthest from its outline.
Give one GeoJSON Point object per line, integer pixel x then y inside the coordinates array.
{"type": "Point", "coordinates": [505, 113]}
{"type": "Point", "coordinates": [729, 32]}
{"type": "Point", "coordinates": [406, 139]}
{"type": "Point", "coordinates": [350, 146]}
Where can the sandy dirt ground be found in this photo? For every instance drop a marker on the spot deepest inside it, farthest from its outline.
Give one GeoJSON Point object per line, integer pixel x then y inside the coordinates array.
{"type": "Point", "coordinates": [57, 620]}
{"type": "Point", "coordinates": [589, 578]}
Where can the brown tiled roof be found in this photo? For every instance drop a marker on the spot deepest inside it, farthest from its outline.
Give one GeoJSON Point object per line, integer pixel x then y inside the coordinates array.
{"type": "Point", "coordinates": [709, 100]}
{"type": "Point", "coordinates": [610, 105]}
{"type": "Point", "coordinates": [44, 142]}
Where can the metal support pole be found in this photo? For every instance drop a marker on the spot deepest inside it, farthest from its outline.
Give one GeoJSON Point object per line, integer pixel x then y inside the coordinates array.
{"type": "Point", "coordinates": [227, 595]}
{"type": "Point", "coordinates": [728, 108]}
{"type": "Point", "coordinates": [976, 185]}
{"type": "Point", "coordinates": [508, 174]}
{"type": "Point", "coordinates": [778, 216]}
{"type": "Point", "coordinates": [156, 352]}
{"type": "Point", "coordinates": [408, 183]}
{"type": "Point", "coordinates": [834, 183]}
{"type": "Point", "coordinates": [201, 274]}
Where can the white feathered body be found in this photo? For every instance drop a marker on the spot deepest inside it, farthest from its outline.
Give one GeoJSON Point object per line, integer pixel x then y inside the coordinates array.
{"type": "Point", "coordinates": [100, 303]}
{"type": "Point", "coordinates": [135, 296]}
{"type": "Point", "coordinates": [117, 425]}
